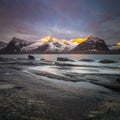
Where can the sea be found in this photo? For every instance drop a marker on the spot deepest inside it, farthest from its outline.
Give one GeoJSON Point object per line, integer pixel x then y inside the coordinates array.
{"type": "Point", "coordinates": [87, 64]}
{"type": "Point", "coordinates": [83, 63]}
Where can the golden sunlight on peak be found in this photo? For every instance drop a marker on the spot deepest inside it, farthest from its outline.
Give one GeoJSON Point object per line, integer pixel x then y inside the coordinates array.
{"type": "Point", "coordinates": [65, 42]}
{"type": "Point", "coordinates": [118, 43]}
{"type": "Point", "coordinates": [49, 39]}
{"type": "Point", "coordinates": [78, 40]}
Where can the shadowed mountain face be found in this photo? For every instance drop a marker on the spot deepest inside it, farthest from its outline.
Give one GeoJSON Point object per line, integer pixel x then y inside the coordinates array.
{"type": "Point", "coordinates": [91, 45]}
{"type": "Point", "coordinates": [50, 44]}
{"type": "Point", "coordinates": [2, 44]}
{"type": "Point", "coordinates": [45, 45]}
{"type": "Point", "coordinates": [15, 46]}
{"type": "Point", "coordinates": [41, 49]}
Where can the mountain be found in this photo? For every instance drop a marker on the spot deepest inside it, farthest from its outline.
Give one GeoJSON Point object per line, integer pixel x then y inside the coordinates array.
{"type": "Point", "coordinates": [115, 49]}
{"type": "Point", "coordinates": [15, 46]}
{"type": "Point", "coordinates": [78, 40]}
{"type": "Point", "coordinates": [91, 45]}
{"type": "Point", "coordinates": [2, 44]}
{"type": "Point", "coordinates": [49, 44]}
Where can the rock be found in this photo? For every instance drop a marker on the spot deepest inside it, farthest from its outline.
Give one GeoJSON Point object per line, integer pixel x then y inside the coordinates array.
{"type": "Point", "coordinates": [64, 59]}
{"type": "Point", "coordinates": [107, 61]}
{"type": "Point", "coordinates": [86, 60]}
{"type": "Point", "coordinates": [30, 57]}
{"type": "Point", "coordinates": [6, 59]}
{"type": "Point", "coordinates": [46, 62]}
{"type": "Point", "coordinates": [43, 59]}
{"type": "Point", "coordinates": [118, 80]}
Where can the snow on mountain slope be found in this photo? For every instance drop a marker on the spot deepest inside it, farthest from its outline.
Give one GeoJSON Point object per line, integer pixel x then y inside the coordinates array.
{"type": "Point", "coordinates": [49, 44]}
{"type": "Point", "coordinates": [33, 46]}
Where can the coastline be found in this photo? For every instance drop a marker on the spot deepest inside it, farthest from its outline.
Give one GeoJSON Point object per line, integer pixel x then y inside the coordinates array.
{"type": "Point", "coordinates": [50, 100]}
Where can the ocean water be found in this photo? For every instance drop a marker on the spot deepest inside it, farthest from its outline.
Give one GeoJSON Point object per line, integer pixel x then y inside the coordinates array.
{"type": "Point", "coordinates": [71, 56]}
{"type": "Point", "coordinates": [77, 66]}
{"type": "Point", "coordinates": [78, 70]}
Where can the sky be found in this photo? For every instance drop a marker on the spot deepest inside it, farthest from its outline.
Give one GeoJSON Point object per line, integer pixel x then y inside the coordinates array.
{"type": "Point", "coordinates": [35, 19]}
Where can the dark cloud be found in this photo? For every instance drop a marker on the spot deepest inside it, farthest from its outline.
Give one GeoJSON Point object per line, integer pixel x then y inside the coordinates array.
{"type": "Point", "coordinates": [33, 19]}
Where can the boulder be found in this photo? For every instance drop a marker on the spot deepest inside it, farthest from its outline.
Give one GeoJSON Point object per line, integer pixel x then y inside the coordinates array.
{"type": "Point", "coordinates": [118, 80]}
{"type": "Point", "coordinates": [107, 61]}
{"type": "Point", "coordinates": [64, 59]}
{"type": "Point", "coordinates": [30, 57]}
{"type": "Point", "coordinates": [87, 60]}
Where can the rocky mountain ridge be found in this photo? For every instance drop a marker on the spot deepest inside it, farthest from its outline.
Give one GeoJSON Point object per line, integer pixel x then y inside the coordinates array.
{"type": "Point", "coordinates": [50, 45]}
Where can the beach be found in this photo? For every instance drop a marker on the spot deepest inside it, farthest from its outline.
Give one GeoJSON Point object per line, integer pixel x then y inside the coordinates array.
{"type": "Point", "coordinates": [56, 90]}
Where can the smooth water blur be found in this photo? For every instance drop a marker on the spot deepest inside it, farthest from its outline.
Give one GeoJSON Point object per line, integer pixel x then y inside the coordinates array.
{"type": "Point", "coordinates": [77, 66]}
{"type": "Point", "coordinates": [92, 69]}
{"type": "Point", "coordinates": [71, 56]}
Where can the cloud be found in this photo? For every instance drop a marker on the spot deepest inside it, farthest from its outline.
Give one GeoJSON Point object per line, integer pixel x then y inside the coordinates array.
{"type": "Point", "coordinates": [33, 19]}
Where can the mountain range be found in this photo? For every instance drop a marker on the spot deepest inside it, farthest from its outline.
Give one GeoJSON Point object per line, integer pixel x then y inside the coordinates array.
{"type": "Point", "coordinates": [2, 44]}
{"type": "Point", "coordinates": [51, 45]}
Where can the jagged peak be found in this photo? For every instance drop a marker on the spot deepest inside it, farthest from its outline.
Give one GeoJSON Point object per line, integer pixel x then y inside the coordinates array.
{"type": "Point", "coordinates": [91, 38]}
{"type": "Point", "coordinates": [78, 40]}
{"type": "Point", "coordinates": [15, 39]}
{"type": "Point", "coordinates": [49, 38]}
{"type": "Point", "coordinates": [64, 42]}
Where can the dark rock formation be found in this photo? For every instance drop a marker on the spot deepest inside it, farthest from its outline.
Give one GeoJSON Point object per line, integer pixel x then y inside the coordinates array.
{"type": "Point", "coordinates": [118, 80]}
{"type": "Point", "coordinates": [30, 57]}
{"type": "Point", "coordinates": [87, 60]}
{"type": "Point", "coordinates": [64, 59]}
{"type": "Point", "coordinates": [107, 61]}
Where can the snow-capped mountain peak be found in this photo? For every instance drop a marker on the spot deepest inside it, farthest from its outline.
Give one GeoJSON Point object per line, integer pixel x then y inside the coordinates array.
{"type": "Point", "coordinates": [48, 39]}
{"type": "Point", "coordinates": [49, 44]}
{"type": "Point", "coordinates": [91, 45]}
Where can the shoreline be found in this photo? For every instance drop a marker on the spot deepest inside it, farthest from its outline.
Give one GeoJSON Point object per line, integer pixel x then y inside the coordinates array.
{"type": "Point", "coordinates": [50, 99]}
